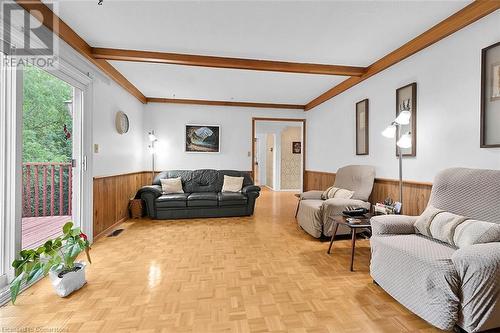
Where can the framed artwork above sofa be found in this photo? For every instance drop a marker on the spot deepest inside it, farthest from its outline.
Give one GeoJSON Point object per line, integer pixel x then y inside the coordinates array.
{"type": "Point", "coordinates": [202, 138]}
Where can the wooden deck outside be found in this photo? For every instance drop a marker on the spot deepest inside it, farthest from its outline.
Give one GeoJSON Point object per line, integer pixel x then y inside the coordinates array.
{"type": "Point", "coordinates": [36, 230]}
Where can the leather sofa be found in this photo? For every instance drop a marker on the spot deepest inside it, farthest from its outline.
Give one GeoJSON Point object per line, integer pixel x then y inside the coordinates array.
{"type": "Point", "coordinates": [202, 195]}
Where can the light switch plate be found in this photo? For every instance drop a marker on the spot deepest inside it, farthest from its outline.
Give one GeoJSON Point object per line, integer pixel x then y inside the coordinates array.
{"type": "Point", "coordinates": [96, 148]}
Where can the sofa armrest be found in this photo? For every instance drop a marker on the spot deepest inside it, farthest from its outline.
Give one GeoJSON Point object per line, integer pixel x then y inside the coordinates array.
{"type": "Point", "coordinates": [393, 224]}
{"type": "Point", "coordinates": [336, 206]}
{"type": "Point", "coordinates": [149, 194]}
{"type": "Point", "coordinates": [154, 190]}
{"type": "Point", "coordinates": [311, 195]}
{"type": "Point", "coordinates": [250, 188]}
{"type": "Point", "coordinates": [478, 268]}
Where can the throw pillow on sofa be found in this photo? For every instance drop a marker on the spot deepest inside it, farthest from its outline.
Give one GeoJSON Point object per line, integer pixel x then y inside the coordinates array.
{"type": "Point", "coordinates": [443, 226]}
{"type": "Point", "coordinates": [171, 185]}
{"type": "Point", "coordinates": [456, 230]}
{"type": "Point", "coordinates": [232, 184]}
{"type": "Point", "coordinates": [335, 192]}
{"type": "Point", "coordinates": [423, 223]}
{"type": "Point", "coordinates": [473, 232]}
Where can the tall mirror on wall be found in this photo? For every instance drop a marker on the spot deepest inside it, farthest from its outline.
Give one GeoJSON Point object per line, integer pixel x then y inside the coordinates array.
{"type": "Point", "coordinates": [490, 96]}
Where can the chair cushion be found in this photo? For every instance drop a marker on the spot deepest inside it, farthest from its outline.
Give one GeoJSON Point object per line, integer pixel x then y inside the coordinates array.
{"type": "Point", "coordinates": [172, 200]}
{"type": "Point", "coordinates": [202, 199]}
{"type": "Point", "coordinates": [232, 199]}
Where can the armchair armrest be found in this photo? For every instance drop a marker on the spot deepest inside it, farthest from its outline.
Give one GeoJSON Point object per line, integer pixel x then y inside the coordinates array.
{"type": "Point", "coordinates": [336, 206]}
{"type": "Point", "coordinates": [250, 188]}
{"type": "Point", "coordinates": [478, 268]}
{"type": "Point", "coordinates": [393, 224]}
{"type": "Point", "coordinates": [311, 195]}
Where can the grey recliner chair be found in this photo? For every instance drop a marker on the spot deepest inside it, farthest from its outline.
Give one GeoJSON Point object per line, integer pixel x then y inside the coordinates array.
{"type": "Point", "coordinates": [313, 211]}
{"type": "Point", "coordinates": [444, 284]}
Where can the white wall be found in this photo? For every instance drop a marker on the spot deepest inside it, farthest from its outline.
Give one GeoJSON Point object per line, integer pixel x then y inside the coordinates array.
{"type": "Point", "coordinates": [448, 108]}
{"type": "Point", "coordinates": [169, 120]}
{"type": "Point", "coordinates": [118, 153]}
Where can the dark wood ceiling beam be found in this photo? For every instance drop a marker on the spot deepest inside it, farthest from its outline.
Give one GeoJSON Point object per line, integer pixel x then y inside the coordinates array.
{"type": "Point", "coordinates": [225, 103]}
{"type": "Point", "coordinates": [469, 14]}
{"type": "Point", "coordinates": [223, 62]}
{"type": "Point", "coordinates": [43, 14]}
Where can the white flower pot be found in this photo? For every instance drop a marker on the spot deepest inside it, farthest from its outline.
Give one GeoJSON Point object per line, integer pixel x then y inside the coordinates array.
{"type": "Point", "coordinates": [70, 281]}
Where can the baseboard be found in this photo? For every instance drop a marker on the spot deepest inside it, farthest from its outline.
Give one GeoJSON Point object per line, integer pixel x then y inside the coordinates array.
{"type": "Point", "coordinates": [110, 228]}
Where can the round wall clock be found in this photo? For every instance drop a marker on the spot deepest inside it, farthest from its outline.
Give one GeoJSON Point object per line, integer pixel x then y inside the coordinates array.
{"type": "Point", "coordinates": [121, 122]}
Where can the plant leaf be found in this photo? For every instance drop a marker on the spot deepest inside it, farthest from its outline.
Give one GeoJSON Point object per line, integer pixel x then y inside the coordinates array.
{"type": "Point", "coordinates": [67, 227]}
{"type": "Point", "coordinates": [35, 273]}
{"type": "Point", "coordinates": [15, 286]}
{"type": "Point", "coordinates": [76, 232]}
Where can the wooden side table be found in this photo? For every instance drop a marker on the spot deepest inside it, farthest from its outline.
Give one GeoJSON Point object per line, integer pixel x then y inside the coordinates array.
{"type": "Point", "coordinates": [341, 219]}
{"type": "Point", "coordinates": [297, 195]}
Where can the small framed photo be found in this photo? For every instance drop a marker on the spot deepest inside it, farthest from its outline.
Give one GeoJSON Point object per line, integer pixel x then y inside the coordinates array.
{"type": "Point", "coordinates": [297, 147]}
{"type": "Point", "coordinates": [202, 138]}
{"type": "Point", "coordinates": [362, 128]}
{"type": "Point", "coordinates": [490, 96]}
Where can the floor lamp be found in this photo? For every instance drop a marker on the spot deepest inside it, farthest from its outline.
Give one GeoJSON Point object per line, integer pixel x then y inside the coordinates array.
{"type": "Point", "coordinates": [404, 141]}
{"type": "Point", "coordinates": [152, 140]}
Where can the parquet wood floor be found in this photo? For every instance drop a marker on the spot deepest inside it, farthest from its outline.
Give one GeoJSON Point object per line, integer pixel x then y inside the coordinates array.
{"type": "Point", "coordinates": [252, 274]}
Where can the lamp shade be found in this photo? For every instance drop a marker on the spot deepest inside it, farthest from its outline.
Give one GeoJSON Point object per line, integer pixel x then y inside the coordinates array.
{"type": "Point", "coordinates": [404, 141]}
{"type": "Point", "coordinates": [403, 118]}
{"type": "Point", "coordinates": [151, 136]}
{"type": "Point", "coordinates": [389, 132]}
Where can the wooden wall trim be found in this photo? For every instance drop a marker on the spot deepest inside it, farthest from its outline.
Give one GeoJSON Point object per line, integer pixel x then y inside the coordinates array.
{"type": "Point", "coordinates": [111, 198]}
{"type": "Point", "coordinates": [467, 15]}
{"type": "Point", "coordinates": [415, 194]}
{"type": "Point", "coordinates": [121, 174]}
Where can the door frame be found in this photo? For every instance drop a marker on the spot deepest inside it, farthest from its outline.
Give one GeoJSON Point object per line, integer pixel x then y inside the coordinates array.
{"type": "Point", "coordinates": [301, 120]}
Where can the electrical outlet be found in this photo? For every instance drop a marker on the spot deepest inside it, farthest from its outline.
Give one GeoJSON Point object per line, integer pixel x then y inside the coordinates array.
{"type": "Point", "coordinates": [96, 148]}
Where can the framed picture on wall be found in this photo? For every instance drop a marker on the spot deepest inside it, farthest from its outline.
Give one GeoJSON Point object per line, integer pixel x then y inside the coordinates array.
{"type": "Point", "coordinates": [490, 96]}
{"type": "Point", "coordinates": [362, 128]}
{"type": "Point", "coordinates": [406, 100]}
{"type": "Point", "coordinates": [296, 147]}
{"type": "Point", "coordinates": [202, 138]}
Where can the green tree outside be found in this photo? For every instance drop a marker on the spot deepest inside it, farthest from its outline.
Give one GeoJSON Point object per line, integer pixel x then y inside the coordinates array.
{"type": "Point", "coordinates": [47, 137]}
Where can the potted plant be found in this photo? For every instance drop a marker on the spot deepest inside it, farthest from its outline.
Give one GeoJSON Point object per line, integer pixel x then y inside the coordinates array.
{"type": "Point", "coordinates": [57, 259]}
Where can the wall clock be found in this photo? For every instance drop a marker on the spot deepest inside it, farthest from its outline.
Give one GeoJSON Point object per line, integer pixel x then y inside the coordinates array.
{"type": "Point", "coordinates": [121, 122]}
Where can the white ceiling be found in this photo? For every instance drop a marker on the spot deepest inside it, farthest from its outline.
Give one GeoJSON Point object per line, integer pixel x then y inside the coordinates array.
{"type": "Point", "coordinates": [172, 81]}
{"type": "Point", "coordinates": [332, 32]}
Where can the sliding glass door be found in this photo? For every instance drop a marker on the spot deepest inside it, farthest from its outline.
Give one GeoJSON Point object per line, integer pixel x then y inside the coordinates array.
{"type": "Point", "coordinates": [50, 149]}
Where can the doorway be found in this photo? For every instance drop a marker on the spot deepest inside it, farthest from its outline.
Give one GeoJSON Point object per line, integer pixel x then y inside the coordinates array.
{"type": "Point", "coordinates": [278, 153]}
{"type": "Point", "coordinates": [50, 143]}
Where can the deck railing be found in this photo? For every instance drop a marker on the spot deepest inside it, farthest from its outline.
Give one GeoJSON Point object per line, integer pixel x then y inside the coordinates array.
{"type": "Point", "coordinates": [46, 189]}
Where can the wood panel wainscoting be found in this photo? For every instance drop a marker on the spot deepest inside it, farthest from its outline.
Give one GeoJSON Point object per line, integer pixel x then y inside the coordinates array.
{"type": "Point", "coordinates": [111, 199]}
{"type": "Point", "coordinates": [415, 194]}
